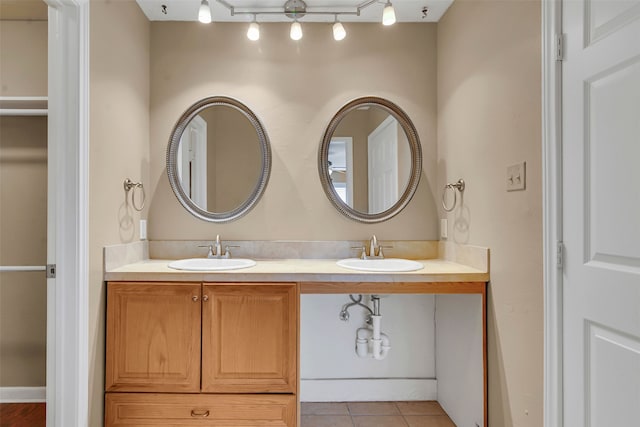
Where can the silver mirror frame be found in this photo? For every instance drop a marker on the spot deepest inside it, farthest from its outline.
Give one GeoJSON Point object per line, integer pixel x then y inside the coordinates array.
{"type": "Point", "coordinates": [416, 160]}
{"type": "Point", "coordinates": [172, 155]}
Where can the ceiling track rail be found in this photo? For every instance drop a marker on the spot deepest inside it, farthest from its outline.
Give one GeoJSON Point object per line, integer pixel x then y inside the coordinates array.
{"type": "Point", "coordinates": [298, 11]}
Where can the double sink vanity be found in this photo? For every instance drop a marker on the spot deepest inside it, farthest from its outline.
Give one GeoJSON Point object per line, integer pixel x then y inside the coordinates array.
{"type": "Point", "coordinates": [222, 348]}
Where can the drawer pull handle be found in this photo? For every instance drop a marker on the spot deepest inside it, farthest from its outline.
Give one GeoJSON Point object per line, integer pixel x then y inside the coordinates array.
{"type": "Point", "coordinates": [194, 298]}
{"type": "Point", "coordinates": [199, 414]}
{"type": "Point", "coordinates": [205, 298]}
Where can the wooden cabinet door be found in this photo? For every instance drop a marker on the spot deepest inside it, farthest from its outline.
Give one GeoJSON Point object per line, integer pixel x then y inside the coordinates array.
{"type": "Point", "coordinates": [249, 338]}
{"type": "Point", "coordinates": [153, 337]}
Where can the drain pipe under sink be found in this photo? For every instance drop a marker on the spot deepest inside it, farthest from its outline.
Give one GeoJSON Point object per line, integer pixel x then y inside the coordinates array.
{"type": "Point", "coordinates": [372, 342]}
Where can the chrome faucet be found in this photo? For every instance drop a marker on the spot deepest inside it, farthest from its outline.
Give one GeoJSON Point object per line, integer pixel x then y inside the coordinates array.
{"type": "Point", "coordinates": [373, 247]}
{"type": "Point", "coordinates": [218, 247]}
{"type": "Point", "coordinates": [215, 251]}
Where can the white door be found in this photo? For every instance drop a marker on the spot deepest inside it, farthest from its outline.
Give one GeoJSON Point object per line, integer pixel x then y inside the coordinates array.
{"type": "Point", "coordinates": [383, 165]}
{"type": "Point", "coordinates": [192, 161]}
{"type": "Point", "coordinates": [601, 213]}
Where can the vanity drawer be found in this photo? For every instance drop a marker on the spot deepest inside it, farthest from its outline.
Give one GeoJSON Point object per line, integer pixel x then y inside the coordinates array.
{"type": "Point", "coordinates": [177, 410]}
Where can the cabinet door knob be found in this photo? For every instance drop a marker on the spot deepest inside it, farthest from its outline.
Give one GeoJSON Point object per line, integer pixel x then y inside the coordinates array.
{"type": "Point", "coordinates": [205, 298]}
{"type": "Point", "coordinates": [194, 298]}
{"type": "Point", "coordinates": [199, 413]}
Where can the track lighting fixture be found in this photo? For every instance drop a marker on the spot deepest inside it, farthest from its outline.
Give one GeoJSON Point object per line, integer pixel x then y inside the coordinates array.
{"type": "Point", "coordinates": [339, 32]}
{"type": "Point", "coordinates": [296, 10]}
{"type": "Point", "coordinates": [388, 14]}
{"type": "Point", "coordinates": [253, 33]}
{"type": "Point", "coordinates": [296, 31]}
{"type": "Point", "coordinates": [204, 13]}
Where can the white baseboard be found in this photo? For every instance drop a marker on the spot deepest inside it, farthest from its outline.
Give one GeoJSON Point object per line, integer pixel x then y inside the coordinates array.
{"type": "Point", "coordinates": [370, 389]}
{"type": "Point", "coordinates": [23, 394]}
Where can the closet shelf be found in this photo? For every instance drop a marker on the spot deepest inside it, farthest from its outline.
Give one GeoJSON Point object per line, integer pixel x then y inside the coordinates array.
{"type": "Point", "coordinates": [23, 106]}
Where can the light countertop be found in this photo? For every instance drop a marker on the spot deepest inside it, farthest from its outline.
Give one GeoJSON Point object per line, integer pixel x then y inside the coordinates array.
{"type": "Point", "coordinates": [297, 270]}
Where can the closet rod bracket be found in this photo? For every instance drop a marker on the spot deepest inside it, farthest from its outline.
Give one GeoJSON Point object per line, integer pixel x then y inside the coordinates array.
{"type": "Point", "coordinates": [51, 271]}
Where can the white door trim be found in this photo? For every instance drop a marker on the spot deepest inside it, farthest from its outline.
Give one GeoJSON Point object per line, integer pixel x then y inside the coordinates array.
{"type": "Point", "coordinates": [552, 211]}
{"type": "Point", "coordinates": [67, 294]}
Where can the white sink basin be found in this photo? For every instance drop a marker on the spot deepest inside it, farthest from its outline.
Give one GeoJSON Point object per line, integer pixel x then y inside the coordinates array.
{"type": "Point", "coordinates": [211, 264]}
{"type": "Point", "coordinates": [385, 265]}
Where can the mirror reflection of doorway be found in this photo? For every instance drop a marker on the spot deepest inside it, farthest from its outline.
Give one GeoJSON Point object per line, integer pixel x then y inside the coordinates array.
{"type": "Point", "coordinates": [341, 167]}
{"type": "Point", "coordinates": [192, 161]}
{"type": "Point", "coordinates": [383, 165]}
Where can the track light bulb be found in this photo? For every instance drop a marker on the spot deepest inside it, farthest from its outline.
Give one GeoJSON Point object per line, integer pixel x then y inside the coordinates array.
{"type": "Point", "coordinates": [296, 31]}
{"type": "Point", "coordinates": [388, 14]}
{"type": "Point", "coordinates": [253, 33]}
{"type": "Point", "coordinates": [339, 32]}
{"type": "Point", "coordinates": [204, 13]}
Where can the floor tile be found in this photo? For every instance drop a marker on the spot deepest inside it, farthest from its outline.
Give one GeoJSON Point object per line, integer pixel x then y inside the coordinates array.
{"type": "Point", "coordinates": [420, 408]}
{"type": "Point", "coordinates": [373, 408]}
{"type": "Point", "coordinates": [324, 408]}
{"type": "Point", "coordinates": [379, 421]}
{"type": "Point", "coordinates": [429, 421]}
{"type": "Point", "coordinates": [325, 421]}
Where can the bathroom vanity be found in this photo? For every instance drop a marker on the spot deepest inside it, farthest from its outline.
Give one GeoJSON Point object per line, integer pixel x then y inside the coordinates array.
{"type": "Point", "coordinates": [223, 348]}
{"type": "Point", "coordinates": [234, 344]}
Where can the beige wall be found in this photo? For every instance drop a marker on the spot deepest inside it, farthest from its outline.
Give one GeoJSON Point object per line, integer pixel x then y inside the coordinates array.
{"type": "Point", "coordinates": [119, 149]}
{"type": "Point", "coordinates": [489, 86]}
{"type": "Point", "coordinates": [23, 10]}
{"type": "Point", "coordinates": [23, 64]}
{"type": "Point", "coordinates": [233, 158]}
{"type": "Point", "coordinates": [295, 89]}
{"type": "Point", "coordinates": [23, 206]}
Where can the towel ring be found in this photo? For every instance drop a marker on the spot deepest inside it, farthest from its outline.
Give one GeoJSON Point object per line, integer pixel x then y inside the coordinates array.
{"type": "Point", "coordinates": [129, 185]}
{"type": "Point", "coordinates": [456, 186]}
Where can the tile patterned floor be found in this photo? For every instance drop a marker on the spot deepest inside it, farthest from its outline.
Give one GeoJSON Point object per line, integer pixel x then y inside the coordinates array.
{"type": "Point", "coordinates": [374, 414]}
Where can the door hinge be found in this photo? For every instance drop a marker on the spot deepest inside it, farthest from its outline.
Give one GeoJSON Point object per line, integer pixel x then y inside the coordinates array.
{"type": "Point", "coordinates": [560, 254]}
{"type": "Point", "coordinates": [559, 47]}
{"type": "Point", "coordinates": [51, 271]}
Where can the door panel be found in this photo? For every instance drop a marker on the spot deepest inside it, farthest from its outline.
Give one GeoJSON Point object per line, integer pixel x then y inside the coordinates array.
{"type": "Point", "coordinates": [153, 337]}
{"type": "Point", "coordinates": [249, 340]}
{"type": "Point", "coordinates": [608, 351]}
{"type": "Point", "coordinates": [613, 135]}
{"type": "Point", "coordinates": [606, 17]}
{"type": "Point", "coordinates": [601, 209]}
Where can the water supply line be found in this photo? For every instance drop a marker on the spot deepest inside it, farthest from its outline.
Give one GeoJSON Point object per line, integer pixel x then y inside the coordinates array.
{"type": "Point", "coordinates": [344, 313]}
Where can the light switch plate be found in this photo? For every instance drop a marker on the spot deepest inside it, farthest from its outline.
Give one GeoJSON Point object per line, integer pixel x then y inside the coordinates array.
{"type": "Point", "coordinates": [444, 229]}
{"type": "Point", "coordinates": [516, 177]}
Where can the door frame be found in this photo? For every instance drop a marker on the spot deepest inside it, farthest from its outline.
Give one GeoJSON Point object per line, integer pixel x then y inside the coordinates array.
{"type": "Point", "coordinates": [348, 149]}
{"type": "Point", "coordinates": [68, 235]}
{"type": "Point", "coordinates": [67, 333]}
{"type": "Point", "coordinates": [198, 192]}
{"type": "Point", "coordinates": [552, 209]}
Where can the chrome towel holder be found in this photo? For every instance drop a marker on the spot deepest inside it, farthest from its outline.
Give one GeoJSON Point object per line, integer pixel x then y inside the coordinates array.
{"type": "Point", "coordinates": [459, 185]}
{"type": "Point", "coordinates": [130, 185]}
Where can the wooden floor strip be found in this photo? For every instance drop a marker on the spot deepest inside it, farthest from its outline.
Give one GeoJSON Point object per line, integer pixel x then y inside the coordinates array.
{"type": "Point", "coordinates": [23, 415]}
